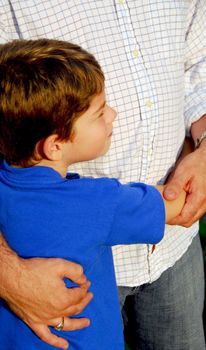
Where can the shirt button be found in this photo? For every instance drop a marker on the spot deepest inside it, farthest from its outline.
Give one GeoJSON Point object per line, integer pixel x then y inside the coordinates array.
{"type": "Point", "coordinates": [121, 1]}
{"type": "Point", "coordinates": [149, 103]}
{"type": "Point", "coordinates": [136, 53]}
{"type": "Point", "coordinates": [150, 151]}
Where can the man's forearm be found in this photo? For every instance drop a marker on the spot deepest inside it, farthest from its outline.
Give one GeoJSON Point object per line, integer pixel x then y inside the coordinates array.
{"type": "Point", "coordinates": [197, 129]}
{"type": "Point", "coordinates": [189, 174]}
{"type": "Point", "coordinates": [188, 147]}
{"type": "Point", "coordinates": [9, 267]}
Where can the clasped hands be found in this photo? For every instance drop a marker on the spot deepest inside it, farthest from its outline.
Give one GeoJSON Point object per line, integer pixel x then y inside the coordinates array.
{"type": "Point", "coordinates": [189, 175]}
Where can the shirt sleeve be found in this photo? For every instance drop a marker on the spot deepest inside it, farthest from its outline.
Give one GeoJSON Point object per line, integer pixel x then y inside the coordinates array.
{"type": "Point", "coordinates": [139, 216]}
{"type": "Point", "coordinates": [195, 66]}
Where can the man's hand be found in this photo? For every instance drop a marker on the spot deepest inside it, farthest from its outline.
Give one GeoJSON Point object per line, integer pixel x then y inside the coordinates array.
{"type": "Point", "coordinates": [34, 289]}
{"type": "Point", "coordinates": [190, 175]}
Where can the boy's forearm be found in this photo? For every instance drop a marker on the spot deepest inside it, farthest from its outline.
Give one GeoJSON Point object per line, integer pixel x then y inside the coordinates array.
{"type": "Point", "coordinates": [172, 208]}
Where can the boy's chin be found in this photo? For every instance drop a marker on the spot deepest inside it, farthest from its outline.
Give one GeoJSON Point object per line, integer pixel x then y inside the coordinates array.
{"type": "Point", "coordinates": [105, 151]}
{"type": "Point", "coordinates": [102, 153]}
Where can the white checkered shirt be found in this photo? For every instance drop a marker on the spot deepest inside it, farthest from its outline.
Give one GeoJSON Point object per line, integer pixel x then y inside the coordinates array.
{"type": "Point", "coordinates": [153, 53]}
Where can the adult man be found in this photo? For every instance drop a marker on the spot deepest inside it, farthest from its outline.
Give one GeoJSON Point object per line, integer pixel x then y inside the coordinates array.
{"type": "Point", "coordinates": [153, 55]}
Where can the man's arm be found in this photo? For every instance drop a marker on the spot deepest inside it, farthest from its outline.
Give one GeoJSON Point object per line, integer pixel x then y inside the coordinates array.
{"type": "Point", "coordinates": [34, 289]}
{"type": "Point", "coordinates": [190, 172]}
{"type": "Point", "coordinates": [190, 176]}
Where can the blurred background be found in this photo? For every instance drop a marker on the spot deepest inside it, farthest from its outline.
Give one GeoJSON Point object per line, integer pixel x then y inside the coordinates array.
{"type": "Point", "coordinates": [203, 241]}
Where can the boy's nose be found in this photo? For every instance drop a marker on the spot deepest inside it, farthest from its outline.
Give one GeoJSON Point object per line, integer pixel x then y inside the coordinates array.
{"type": "Point", "coordinates": [112, 114]}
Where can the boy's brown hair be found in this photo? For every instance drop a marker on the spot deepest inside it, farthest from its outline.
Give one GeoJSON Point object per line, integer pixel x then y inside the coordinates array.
{"type": "Point", "coordinates": [45, 85]}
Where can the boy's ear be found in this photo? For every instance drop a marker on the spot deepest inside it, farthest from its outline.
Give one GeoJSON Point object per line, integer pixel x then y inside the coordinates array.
{"type": "Point", "coordinates": [52, 147]}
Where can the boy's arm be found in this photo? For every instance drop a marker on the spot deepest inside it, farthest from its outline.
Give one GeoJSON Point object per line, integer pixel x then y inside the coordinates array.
{"type": "Point", "coordinates": [172, 208]}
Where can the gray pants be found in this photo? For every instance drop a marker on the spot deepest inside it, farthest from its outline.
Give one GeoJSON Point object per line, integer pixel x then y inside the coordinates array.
{"type": "Point", "coordinates": [167, 314]}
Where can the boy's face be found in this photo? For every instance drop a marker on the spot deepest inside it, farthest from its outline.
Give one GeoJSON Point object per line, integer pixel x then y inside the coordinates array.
{"type": "Point", "coordinates": [93, 131]}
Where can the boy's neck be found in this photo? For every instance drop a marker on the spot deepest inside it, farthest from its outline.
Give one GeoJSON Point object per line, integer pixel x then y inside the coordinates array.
{"type": "Point", "coordinates": [59, 167]}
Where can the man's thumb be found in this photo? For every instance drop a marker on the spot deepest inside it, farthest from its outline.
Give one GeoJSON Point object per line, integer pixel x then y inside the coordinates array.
{"type": "Point", "coordinates": [172, 189]}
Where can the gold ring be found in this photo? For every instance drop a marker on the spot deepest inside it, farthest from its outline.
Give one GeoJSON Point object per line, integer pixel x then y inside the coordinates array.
{"type": "Point", "coordinates": [60, 325]}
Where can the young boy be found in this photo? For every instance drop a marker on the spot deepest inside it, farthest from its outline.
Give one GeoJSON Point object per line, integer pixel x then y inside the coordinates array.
{"type": "Point", "coordinates": [53, 113]}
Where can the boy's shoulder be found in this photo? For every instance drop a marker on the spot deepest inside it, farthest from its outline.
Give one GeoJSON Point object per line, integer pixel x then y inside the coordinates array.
{"type": "Point", "coordinates": [102, 188]}
{"type": "Point", "coordinates": [94, 181]}
{"type": "Point", "coordinates": [105, 189]}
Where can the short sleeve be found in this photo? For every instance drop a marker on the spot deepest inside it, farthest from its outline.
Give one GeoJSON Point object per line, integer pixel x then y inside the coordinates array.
{"type": "Point", "coordinates": [139, 216]}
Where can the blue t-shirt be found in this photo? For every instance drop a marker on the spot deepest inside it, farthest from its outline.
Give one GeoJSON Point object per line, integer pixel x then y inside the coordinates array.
{"type": "Point", "coordinates": [78, 219]}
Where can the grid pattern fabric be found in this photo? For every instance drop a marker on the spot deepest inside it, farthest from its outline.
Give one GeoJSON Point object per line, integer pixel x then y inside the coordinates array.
{"type": "Point", "coordinates": [153, 53]}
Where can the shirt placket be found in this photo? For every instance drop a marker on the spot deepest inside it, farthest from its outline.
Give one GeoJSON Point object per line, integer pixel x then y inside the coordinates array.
{"type": "Point", "coordinates": [146, 95]}
{"type": "Point", "coordinates": [144, 86]}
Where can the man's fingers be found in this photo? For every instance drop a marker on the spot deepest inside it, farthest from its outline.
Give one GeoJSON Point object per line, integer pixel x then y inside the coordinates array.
{"type": "Point", "coordinates": [74, 296]}
{"type": "Point", "coordinates": [71, 324]}
{"type": "Point", "coordinates": [44, 334]}
{"type": "Point", "coordinates": [174, 187]}
{"type": "Point", "coordinates": [190, 214]}
{"type": "Point", "coordinates": [72, 271]}
{"type": "Point", "coordinates": [80, 306]}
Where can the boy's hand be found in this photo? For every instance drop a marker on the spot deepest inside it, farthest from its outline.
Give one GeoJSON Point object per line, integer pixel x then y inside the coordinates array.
{"type": "Point", "coordinates": [190, 175]}
{"type": "Point", "coordinates": [34, 289]}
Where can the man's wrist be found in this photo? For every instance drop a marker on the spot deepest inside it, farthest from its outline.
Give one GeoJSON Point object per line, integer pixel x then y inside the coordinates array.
{"type": "Point", "coordinates": [198, 130]}
{"type": "Point", "coordinates": [199, 140]}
